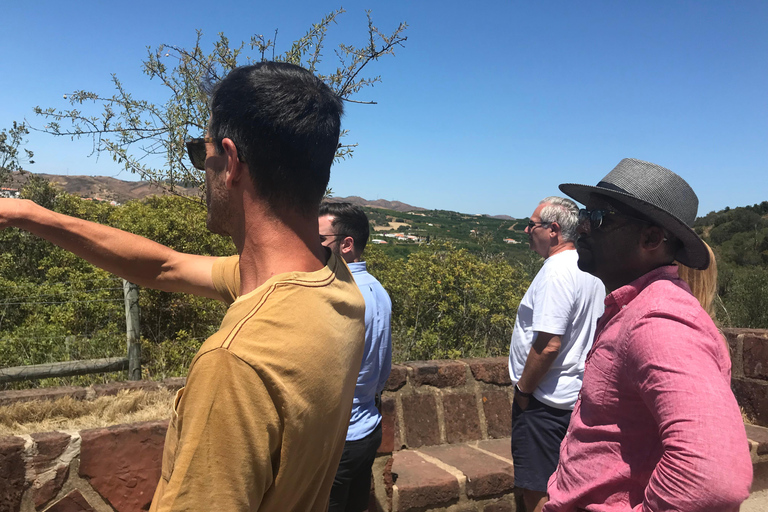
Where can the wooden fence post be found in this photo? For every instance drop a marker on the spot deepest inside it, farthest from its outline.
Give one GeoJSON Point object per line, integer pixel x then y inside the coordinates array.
{"type": "Point", "coordinates": [133, 334]}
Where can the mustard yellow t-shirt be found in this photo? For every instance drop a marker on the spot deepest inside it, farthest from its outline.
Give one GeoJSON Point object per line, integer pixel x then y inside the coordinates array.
{"type": "Point", "coordinates": [261, 422]}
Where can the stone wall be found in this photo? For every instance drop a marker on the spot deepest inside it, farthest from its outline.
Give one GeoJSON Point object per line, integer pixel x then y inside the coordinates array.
{"type": "Point", "coordinates": [445, 437]}
{"type": "Point", "coordinates": [749, 371]}
{"type": "Point", "coordinates": [445, 441]}
{"type": "Point", "coordinates": [425, 404]}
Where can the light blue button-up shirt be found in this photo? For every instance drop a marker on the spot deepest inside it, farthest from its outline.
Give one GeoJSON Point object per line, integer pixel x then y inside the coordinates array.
{"type": "Point", "coordinates": [377, 357]}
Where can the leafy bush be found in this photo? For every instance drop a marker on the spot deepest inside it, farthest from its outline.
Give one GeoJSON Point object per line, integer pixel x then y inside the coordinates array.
{"type": "Point", "coordinates": [55, 306]}
{"type": "Point", "coordinates": [448, 302]}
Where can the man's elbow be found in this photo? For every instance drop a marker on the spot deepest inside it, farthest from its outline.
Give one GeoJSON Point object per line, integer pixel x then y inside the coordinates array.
{"type": "Point", "coordinates": [727, 485]}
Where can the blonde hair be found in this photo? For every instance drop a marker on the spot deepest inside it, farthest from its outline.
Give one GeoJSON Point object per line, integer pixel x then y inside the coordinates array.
{"type": "Point", "coordinates": [703, 283]}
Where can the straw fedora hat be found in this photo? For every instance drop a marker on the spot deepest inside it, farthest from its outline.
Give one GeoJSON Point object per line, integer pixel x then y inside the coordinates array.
{"type": "Point", "coordinates": [658, 194]}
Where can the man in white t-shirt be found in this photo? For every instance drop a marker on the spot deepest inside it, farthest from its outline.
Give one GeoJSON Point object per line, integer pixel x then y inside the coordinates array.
{"type": "Point", "coordinates": [553, 332]}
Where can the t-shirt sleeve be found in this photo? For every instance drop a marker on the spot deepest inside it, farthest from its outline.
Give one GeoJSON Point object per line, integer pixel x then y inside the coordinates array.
{"type": "Point", "coordinates": [228, 436]}
{"type": "Point", "coordinates": [554, 299]}
{"type": "Point", "coordinates": [226, 278]}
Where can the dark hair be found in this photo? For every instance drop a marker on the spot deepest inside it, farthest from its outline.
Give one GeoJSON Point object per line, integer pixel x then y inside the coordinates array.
{"type": "Point", "coordinates": [285, 123]}
{"type": "Point", "coordinates": [349, 220]}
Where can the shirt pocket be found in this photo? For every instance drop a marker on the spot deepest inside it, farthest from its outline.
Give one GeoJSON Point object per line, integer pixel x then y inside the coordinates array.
{"type": "Point", "coordinates": [598, 378]}
{"type": "Point", "coordinates": [172, 438]}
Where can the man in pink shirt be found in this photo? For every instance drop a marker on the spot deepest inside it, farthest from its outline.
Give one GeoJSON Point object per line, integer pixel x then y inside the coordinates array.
{"type": "Point", "coordinates": [656, 426]}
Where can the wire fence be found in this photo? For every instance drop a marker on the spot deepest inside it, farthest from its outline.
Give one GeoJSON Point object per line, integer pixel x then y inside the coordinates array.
{"type": "Point", "coordinates": [68, 328]}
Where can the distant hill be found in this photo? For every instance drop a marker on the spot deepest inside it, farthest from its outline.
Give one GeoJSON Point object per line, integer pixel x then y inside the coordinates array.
{"type": "Point", "coordinates": [101, 187]}
{"type": "Point", "coordinates": [396, 206]}
{"type": "Point", "coordinates": [113, 189]}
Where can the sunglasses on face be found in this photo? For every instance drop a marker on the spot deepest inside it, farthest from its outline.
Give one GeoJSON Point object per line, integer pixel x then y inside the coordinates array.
{"type": "Point", "coordinates": [196, 151]}
{"type": "Point", "coordinates": [532, 224]}
{"type": "Point", "coordinates": [595, 217]}
{"type": "Point", "coordinates": [332, 236]}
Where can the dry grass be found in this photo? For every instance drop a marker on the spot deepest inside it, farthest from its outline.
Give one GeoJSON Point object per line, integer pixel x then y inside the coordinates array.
{"type": "Point", "coordinates": [748, 418]}
{"type": "Point", "coordinates": [70, 414]}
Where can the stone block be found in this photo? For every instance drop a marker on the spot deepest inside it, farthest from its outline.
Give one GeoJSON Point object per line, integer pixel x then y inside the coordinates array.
{"type": "Point", "coordinates": [755, 355]}
{"type": "Point", "coordinates": [50, 488]}
{"type": "Point", "coordinates": [498, 413]}
{"type": "Point", "coordinates": [113, 388]}
{"type": "Point", "coordinates": [441, 374]}
{"type": "Point", "coordinates": [420, 420]}
{"type": "Point", "coordinates": [50, 445]}
{"type": "Point", "coordinates": [760, 436]}
{"type": "Point", "coordinates": [462, 421]}
{"type": "Point", "coordinates": [500, 506]}
{"type": "Point", "coordinates": [389, 481]}
{"type": "Point", "coordinates": [72, 502]}
{"type": "Point", "coordinates": [390, 427]}
{"type": "Point", "coordinates": [128, 476]}
{"type": "Point", "coordinates": [499, 447]}
{"type": "Point", "coordinates": [398, 376]}
{"type": "Point", "coordinates": [759, 476]}
{"type": "Point", "coordinates": [28, 395]}
{"type": "Point", "coordinates": [486, 475]}
{"type": "Point", "coordinates": [174, 383]}
{"type": "Point", "coordinates": [752, 395]}
{"type": "Point", "coordinates": [13, 480]}
{"type": "Point", "coordinates": [419, 484]}
{"type": "Point", "coordinates": [732, 338]}
{"type": "Point", "coordinates": [492, 370]}
{"type": "Point", "coordinates": [46, 471]}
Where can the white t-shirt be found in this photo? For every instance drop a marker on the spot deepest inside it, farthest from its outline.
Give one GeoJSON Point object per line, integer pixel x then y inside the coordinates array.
{"type": "Point", "coordinates": [564, 301]}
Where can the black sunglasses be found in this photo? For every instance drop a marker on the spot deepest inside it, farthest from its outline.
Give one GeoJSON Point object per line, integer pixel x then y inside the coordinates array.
{"type": "Point", "coordinates": [595, 217]}
{"type": "Point", "coordinates": [196, 150]}
{"type": "Point", "coordinates": [532, 224]}
{"type": "Point", "coordinates": [323, 238]}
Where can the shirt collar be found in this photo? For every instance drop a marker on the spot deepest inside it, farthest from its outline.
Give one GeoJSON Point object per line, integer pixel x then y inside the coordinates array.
{"type": "Point", "coordinates": [624, 295]}
{"type": "Point", "coordinates": [357, 266]}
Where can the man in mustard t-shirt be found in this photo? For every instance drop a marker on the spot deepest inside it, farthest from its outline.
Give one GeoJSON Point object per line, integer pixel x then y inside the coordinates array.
{"type": "Point", "coordinates": [261, 422]}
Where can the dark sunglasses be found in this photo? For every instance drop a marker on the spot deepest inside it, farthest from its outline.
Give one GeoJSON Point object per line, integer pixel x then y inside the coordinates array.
{"type": "Point", "coordinates": [595, 217]}
{"type": "Point", "coordinates": [323, 238]}
{"type": "Point", "coordinates": [196, 150]}
{"type": "Point", "coordinates": [532, 224]}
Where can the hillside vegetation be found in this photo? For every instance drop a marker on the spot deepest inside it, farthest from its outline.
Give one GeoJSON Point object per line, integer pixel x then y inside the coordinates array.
{"type": "Point", "coordinates": [739, 238]}
{"type": "Point", "coordinates": [455, 296]}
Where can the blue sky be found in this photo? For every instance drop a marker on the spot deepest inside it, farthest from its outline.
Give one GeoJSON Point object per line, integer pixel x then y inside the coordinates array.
{"type": "Point", "coordinates": [487, 108]}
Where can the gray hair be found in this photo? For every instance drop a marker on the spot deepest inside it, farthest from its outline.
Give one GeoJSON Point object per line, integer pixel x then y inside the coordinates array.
{"type": "Point", "coordinates": [564, 212]}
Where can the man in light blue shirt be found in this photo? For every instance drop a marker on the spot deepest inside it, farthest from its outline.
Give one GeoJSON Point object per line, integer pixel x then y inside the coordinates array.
{"type": "Point", "coordinates": [344, 229]}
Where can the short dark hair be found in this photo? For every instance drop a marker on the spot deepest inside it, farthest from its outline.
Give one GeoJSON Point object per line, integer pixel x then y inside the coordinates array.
{"type": "Point", "coordinates": [349, 220]}
{"type": "Point", "coordinates": [285, 123]}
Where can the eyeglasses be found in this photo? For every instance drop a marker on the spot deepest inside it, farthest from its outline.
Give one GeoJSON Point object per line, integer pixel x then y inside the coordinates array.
{"type": "Point", "coordinates": [596, 217]}
{"type": "Point", "coordinates": [334, 236]}
{"type": "Point", "coordinates": [196, 151]}
{"type": "Point", "coordinates": [532, 224]}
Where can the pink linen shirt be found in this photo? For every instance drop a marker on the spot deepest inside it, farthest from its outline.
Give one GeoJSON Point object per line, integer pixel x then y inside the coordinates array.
{"type": "Point", "coordinates": [656, 426]}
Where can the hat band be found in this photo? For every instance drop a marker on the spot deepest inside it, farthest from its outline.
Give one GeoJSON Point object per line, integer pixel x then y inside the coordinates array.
{"type": "Point", "coordinates": [611, 186]}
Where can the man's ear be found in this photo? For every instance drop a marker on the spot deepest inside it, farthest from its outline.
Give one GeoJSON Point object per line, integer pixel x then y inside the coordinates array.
{"type": "Point", "coordinates": [555, 230]}
{"type": "Point", "coordinates": [347, 245]}
{"type": "Point", "coordinates": [235, 167]}
{"type": "Point", "coordinates": [653, 238]}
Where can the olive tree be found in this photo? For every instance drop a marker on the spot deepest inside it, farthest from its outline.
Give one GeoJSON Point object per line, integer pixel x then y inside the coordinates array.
{"type": "Point", "coordinates": [147, 138]}
{"type": "Point", "coordinates": [12, 154]}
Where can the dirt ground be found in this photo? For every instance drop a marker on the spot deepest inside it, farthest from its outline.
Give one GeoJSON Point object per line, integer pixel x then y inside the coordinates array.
{"type": "Point", "coordinates": [392, 225]}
